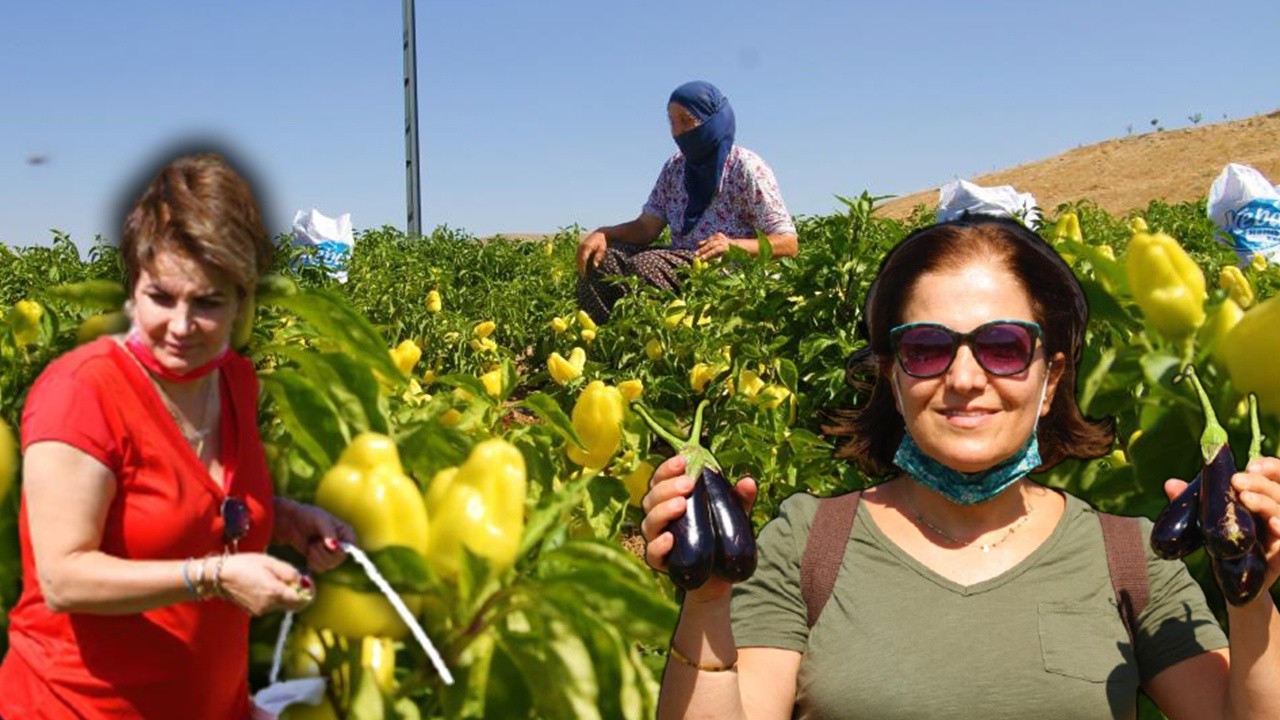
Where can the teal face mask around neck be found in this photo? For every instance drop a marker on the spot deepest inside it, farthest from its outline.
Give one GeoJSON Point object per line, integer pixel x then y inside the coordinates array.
{"type": "Point", "coordinates": [966, 488]}
{"type": "Point", "coordinates": [969, 488]}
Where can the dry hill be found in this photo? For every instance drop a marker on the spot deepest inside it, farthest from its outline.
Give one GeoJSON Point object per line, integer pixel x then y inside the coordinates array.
{"type": "Point", "coordinates": [1127, 173]}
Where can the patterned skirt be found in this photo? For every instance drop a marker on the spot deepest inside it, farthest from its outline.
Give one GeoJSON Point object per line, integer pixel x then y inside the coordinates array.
{"type": "Point", "coordinates": [656, 266]}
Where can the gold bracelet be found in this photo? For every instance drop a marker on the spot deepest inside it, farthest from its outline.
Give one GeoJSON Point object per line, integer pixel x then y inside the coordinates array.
{"type": "Point", "coordinates": [217, 576]}
{"type": "Point", "coordinates": [699, 666]}
{"type": "Point", "coordinates": [202, 591]}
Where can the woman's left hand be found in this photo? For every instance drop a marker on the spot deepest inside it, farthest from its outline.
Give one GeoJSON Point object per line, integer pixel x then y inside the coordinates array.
{"type": "Point", "coordinates": [313, 532]}
{"type": "Point", "coordinates": [713, 246]}
{"type": "Point", "coordinates": [1259, 489]}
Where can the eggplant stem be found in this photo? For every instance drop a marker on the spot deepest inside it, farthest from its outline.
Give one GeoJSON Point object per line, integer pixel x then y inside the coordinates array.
{"type": "Point", "coordinates": [1214, 436]}
{"type": "Point", "coordinates": [657, 428]}
{"type": "Point", "coordinates": [1255, 430]}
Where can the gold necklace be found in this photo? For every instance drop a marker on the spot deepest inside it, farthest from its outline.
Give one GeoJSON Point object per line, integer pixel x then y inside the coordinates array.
{"type": "Point", "coordinates": [986, 547]}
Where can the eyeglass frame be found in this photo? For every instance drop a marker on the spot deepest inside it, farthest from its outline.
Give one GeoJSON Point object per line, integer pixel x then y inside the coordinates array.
{"type": "Point", "coordinates": [966, 338]}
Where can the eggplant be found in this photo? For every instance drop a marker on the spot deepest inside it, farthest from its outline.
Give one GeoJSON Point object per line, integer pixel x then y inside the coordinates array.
{"type": "Point", "coordinates": [735, 552]}
{"type": "Point", "coordinates": [1229, 529]}
{"type": "Point", "coordinates": [692, 557]}
{"type": "Point", "coordinates": [714, 535]}
{"type": "Point", "coordinates": [1241, 578]}
{"type": "Point", "coordinates": [1176, 533]}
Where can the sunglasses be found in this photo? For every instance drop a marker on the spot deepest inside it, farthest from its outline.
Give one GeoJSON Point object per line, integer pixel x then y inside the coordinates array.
{"type": "Point", "coordinates": [1001, 347]}
{"type": "Point", "coordinates": [235, 522]}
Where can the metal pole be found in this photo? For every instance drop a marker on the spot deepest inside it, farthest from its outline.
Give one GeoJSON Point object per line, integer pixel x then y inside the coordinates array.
{"type": "Point", "coordinates": [413, 186]}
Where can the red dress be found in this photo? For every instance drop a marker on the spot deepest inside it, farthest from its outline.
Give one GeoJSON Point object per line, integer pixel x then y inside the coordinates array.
{"type": "Point", "coordinates": [188, 660]}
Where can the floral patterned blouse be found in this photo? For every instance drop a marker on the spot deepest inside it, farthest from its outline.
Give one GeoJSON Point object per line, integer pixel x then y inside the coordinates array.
{"type": "Point", "coordinates": [748, 200]}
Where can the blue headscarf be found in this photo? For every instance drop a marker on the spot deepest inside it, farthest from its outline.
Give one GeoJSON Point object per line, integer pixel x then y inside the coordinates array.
{"type": "Point", "coordinates": [704, 147]}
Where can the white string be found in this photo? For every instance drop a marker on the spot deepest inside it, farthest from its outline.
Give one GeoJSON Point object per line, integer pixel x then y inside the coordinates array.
{"type": "Point", "coordinates": [418, 633]}
{"type": "Point", "coordinates": [279, 653]}
{"type": "Point", "coordinates": [385, 588]}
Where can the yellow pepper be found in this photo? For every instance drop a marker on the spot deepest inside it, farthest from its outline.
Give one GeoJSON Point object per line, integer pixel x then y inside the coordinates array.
{"type": "Point", "coordinates": [773, 395]}
{"type": "Point", "coordinates": [1067, 228]}
{"type": "Point", "coordinates": [406, 355]}
{"type": "Point", "coordinates": [562, 370]}
{"type": "Point", "coordinates": [597, 416]}
{"type": "Point", "coordinates": [631, 389]}
{"type": "Point", "coordinates": [1221, 319]}
{"type": "Point", "coordinates": [674, 314]}
{"type": "Point", "coordinates": [1237, 286]}
{"type": "Point", "coordinates": [585, 320]}
{"type": "Point", "coordinates": [479, 505]}
{"type": "Point", "coordinates": [1107, 251]}
{"type": "Point", "coordinates": [1258, 262]}
{"type": "Point", "coordinates": [24, 320]}
{"type": "Point", "coordinates": [8, 458]}
{"type": "Point", "coordinates": [653, 350]}
{"type": "Point", "coordinates": [1250, 348]}
{"type": "Point", "coordinates": [493, 383]}
{"type": "Point", "coordinates": [434, 304]}
{"type": "Point", "coordinates": [749, 383]}
{"type": "Point", "coordinates": [588, 335]}
{"type": "Point", "coordinates": [1137, 225]}
{"type": "Point", "coordinates": [559, 325]}
{"type": "Point", "coordinates": [1167, 284]}
{"type": "Point", "coordinates": [703, 373]}
{"type": "Point", "coordinates": [483, 345]}
{"type": "Point", "coordinates": [96, 326]}
{"type": "Point", "coordinates": [484, 329]}
{"type": "Point", "coordinates": [368, 489]}
{"type": "Point", "coordinates": [637, 481]}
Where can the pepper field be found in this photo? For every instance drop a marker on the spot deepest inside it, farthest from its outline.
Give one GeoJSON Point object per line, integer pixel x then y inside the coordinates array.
{"type": "Point", "coordinates": [537, 599]}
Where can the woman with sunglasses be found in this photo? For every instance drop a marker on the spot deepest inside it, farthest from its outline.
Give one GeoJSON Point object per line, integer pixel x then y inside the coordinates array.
{"type": "Point", "coordinates": [147, 503]}
{"type": "Point", "coordinates": [713, 194]}
{"type": "Point", "coordinates": [966, 589]}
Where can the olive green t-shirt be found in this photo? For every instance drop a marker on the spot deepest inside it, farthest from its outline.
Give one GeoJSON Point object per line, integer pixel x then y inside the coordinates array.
{"type": "Point", "coordinates": [898, 641]}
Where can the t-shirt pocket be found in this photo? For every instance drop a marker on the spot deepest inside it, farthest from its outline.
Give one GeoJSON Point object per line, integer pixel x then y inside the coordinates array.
{"type": "Point", "coordinates": [1086, 642]}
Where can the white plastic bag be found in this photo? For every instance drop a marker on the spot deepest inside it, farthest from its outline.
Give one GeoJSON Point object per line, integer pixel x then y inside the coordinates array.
{"type": "Point", "coordinates": [1246, 208]}
{"type": "Point", "coordinates": [331, 237]}
{"type": "Point", "coordinates": [960, 196]}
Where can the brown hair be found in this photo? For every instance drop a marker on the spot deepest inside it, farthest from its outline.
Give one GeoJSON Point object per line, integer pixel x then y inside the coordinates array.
{"type": "Point", "coordinates": [1057, 303]}
{"type": "Point", "coordinates": [199, 206]}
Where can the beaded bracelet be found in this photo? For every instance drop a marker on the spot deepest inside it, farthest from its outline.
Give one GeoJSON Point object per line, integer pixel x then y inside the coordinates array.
{"type": "Point", "coordinates": [202, 590]}
{"type": "Point", "coordinates": [699, 666]}
{"type": "Point", "coordinates": [217, 575]}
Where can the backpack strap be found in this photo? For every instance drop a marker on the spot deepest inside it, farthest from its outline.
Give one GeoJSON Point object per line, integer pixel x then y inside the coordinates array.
{"type": "Point", "coordinates": [824, 550]}
{"type": "Point", "coordinates": [1127, 565]}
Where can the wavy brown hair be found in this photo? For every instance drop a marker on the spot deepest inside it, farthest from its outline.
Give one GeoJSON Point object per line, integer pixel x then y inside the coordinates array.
{"type": "Point", "coordinates": [198, 206]}
{"type": "Point", "coordinates": [1058, 304]}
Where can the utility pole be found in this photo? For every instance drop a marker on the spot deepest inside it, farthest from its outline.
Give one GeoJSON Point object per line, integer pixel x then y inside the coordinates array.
{"type": "Point", "coordinates": [413, 187]}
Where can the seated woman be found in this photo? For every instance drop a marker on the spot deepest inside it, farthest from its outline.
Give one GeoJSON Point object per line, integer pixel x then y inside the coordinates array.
{"type": "Point", "coordinates": [712, 193]}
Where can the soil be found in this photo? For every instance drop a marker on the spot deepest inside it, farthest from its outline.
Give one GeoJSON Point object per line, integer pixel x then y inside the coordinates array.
{"type": "Point", "coordinates": [1128, 173]}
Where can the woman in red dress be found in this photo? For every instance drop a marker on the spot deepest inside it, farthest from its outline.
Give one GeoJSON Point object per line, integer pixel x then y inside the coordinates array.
{"type": "Point", "coordinates": [147, 503]}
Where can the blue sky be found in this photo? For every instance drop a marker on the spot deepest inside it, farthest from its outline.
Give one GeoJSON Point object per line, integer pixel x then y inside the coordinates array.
{"type": "Point", "coordinates": [538, 115]}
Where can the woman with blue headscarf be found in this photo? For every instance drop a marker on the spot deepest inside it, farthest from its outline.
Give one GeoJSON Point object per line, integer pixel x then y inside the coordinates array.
{"type": "Point", "coordinates": [712, 193]}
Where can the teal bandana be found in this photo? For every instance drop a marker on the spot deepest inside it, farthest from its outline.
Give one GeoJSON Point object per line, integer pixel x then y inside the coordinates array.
{"type": "Point", "coordinates": [966, 488]}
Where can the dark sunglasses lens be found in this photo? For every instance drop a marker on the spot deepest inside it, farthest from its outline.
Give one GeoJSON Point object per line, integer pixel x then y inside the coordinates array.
{"type": "Point", "coordinates": [925, 351]}
{"type": "Point", "coordinates": [1004, 348]}
{"type": "Point", "coordinates": [235, 519]}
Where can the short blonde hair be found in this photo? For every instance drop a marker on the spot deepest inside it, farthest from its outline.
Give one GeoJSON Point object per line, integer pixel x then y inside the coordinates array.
{"type": "Point", "coordinates": [199, 206]}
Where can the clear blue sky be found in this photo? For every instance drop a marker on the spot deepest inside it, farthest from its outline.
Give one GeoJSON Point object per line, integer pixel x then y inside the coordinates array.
{"type": "Point", "coordinates": [538, 115]}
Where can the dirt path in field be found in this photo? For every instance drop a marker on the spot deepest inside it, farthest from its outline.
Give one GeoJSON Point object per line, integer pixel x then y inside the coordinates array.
{"type": "Point", "coordinates": [1127, 173]}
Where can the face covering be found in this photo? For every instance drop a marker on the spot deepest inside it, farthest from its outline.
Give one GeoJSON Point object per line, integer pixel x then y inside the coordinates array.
{"type": "Point", "coordinates": [144, 355]}
{"type": "Point", "coordinates": [705, 147]}
{"type": "Point", "coordinates": [969, 488]}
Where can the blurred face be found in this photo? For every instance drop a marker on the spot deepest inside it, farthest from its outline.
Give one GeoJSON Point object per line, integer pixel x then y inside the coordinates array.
{"type": "Point", "coordinates": [183, 311]}
{"type": "Point", "coordinates": [967, 418]}
{"type": "Point", "coordinates": [681, 120]}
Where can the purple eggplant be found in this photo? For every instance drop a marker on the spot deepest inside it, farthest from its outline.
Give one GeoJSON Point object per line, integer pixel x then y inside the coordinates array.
{"type": "Point", "coordinates": [1229, 529]}
{"type": "Point", "coordinates": [692, 557]}
{"type": "Point", "coordinates": [1241, 578]}
{"type": "Point", "coordinates": [714, 535]}
{"type": "Point", "coordinates": [1176, 533]}
{"type": "Point", "coordinates": [735, 556]}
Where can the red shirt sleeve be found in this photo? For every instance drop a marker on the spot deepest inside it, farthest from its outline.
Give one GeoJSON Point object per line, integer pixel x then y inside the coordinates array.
{"type": "Point", "coordinates": [62, 407]}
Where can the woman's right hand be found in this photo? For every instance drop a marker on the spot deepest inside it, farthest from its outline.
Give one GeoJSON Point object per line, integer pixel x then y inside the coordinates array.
{"type": "Point", "coordinates": [590, 251]}
{"type": "Point", "coordinates": [260, 584]}
{"type": "Point", "coordinates": [668, 494]}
